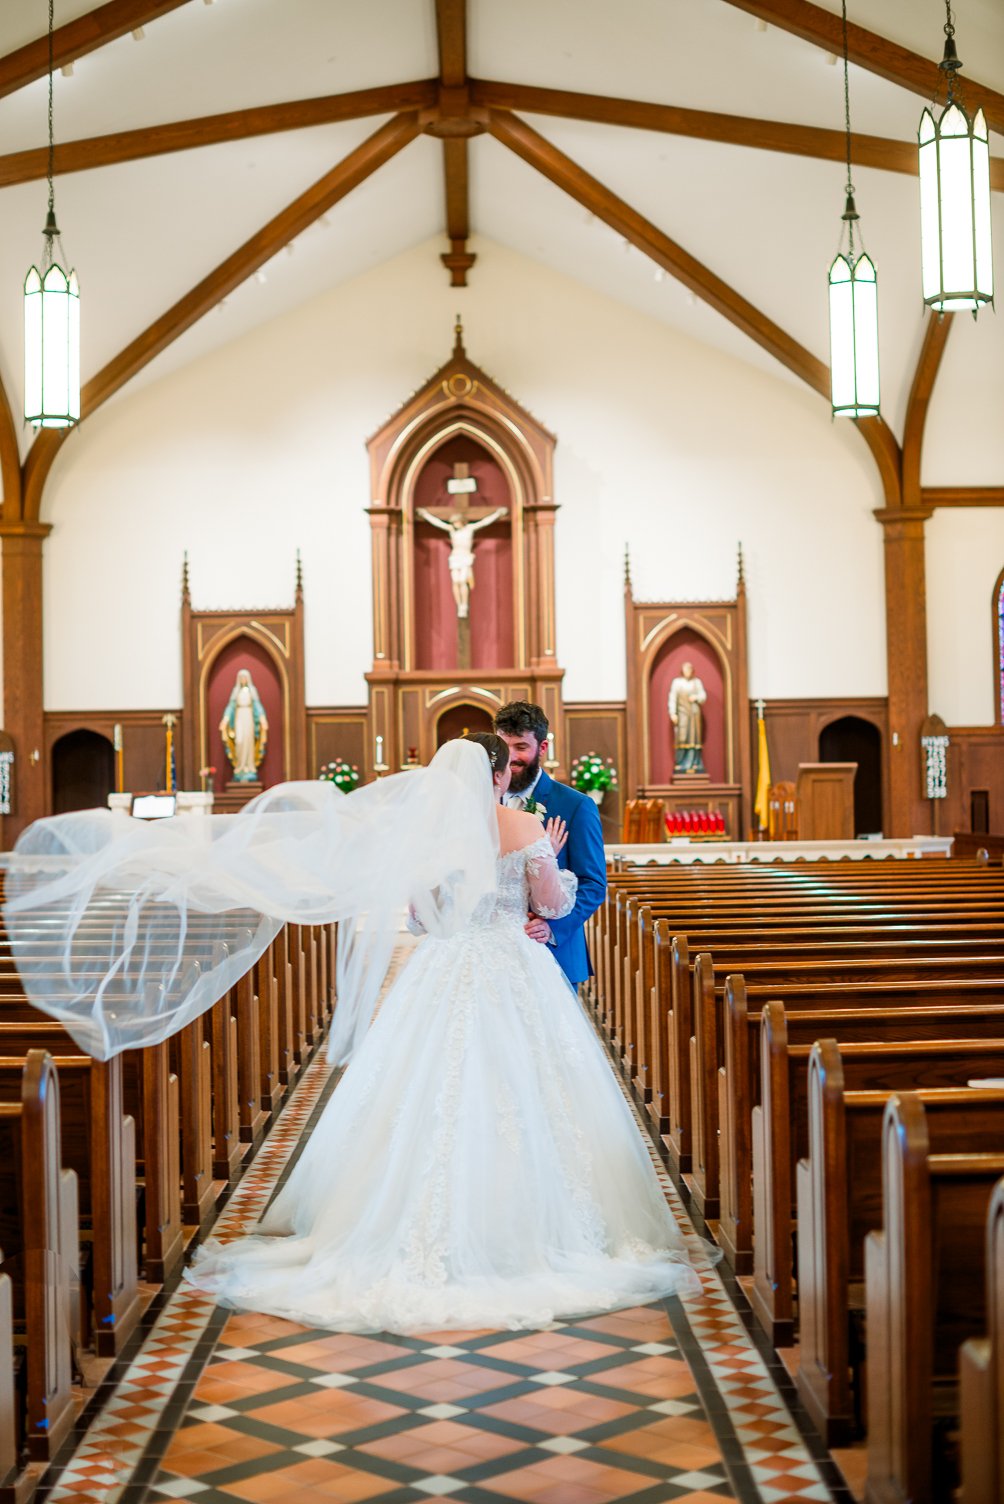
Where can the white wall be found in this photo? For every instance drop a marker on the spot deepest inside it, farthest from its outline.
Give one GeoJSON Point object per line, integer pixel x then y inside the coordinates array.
{"type": "Point", "coordinates": [258, 448]}
{"type": "Point", "coordinates": [964, 556]}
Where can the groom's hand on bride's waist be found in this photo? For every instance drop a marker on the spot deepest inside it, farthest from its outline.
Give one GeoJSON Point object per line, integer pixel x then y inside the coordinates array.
{"type": "Point", "coordinates": [538, 929]}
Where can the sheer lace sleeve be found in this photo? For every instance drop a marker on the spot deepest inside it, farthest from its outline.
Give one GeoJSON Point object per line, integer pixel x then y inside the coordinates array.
{"type": "Point", "coordinates": [552, 892]}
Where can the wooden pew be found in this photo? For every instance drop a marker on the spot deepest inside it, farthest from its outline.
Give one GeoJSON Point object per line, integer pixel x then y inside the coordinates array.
{"type": "Point", "coordinates": [981, 1379]}
{"type": "Point", "coordinates": [740, 1091]}
{"type": "Point", "coordinates": [925, 1274]}
{"type": "Point", "coordinates": [17, 1484]}
{"type": "Point", "coordinates": [981, 977]}
{"type": "Point", "coordinates": [38, 1232]}
{"type": "Point", "coordinates": [98, 1144]}
{"type": "Point", "coordinates": [840, 1194]}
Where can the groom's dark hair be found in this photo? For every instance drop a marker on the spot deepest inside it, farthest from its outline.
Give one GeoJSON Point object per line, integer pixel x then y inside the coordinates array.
{"type": "Point", "coordinates": [521, 717]}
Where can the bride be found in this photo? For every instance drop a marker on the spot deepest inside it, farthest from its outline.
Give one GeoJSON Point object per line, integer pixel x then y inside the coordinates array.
{"type": "Point", "coordinates": [477, 1165]}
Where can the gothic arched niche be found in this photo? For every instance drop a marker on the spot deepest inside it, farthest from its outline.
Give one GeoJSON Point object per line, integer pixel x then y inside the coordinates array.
{"type": "Point", "coordinates": [492, 617]}
{"type": "Point", "coordinates": [680, 647]}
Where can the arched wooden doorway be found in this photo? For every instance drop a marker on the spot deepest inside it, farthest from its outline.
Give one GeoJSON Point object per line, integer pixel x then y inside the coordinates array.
{"type": "Point", "coordinates": [460, 719]}
{"type": "Point", "coordinates": [83, 771]}
{"type": "Point", "coordinates": [852, 739]}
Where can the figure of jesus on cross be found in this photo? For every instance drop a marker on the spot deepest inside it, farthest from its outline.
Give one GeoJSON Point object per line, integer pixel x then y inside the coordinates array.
{"type": "Point", "coordinates": [461, 521]}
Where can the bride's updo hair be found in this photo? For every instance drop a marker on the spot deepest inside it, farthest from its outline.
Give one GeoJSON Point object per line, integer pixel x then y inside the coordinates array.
{"type": "Point", "coordinates": [497, 749]}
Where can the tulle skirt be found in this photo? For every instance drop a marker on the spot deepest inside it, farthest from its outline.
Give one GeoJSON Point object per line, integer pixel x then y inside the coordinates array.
{"type": "Point", "coordinates": [476, 1167]}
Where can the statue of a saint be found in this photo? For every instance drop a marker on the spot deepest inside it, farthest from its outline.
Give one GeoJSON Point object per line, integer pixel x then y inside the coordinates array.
{"type": "Point", "coordinates": [461, 530]}
{"type": "Point", "coordinates": [244, 729]}
{"type": "Point", "coordinates": [686, 696]}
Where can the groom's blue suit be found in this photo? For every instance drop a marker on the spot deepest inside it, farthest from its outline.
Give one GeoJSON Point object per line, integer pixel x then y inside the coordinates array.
{"type": "Point", "coordinates": [583, 854]}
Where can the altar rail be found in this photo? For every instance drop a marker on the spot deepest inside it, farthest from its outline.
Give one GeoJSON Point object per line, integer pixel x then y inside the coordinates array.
{"type": "Point", "coordinates": [684, 850]}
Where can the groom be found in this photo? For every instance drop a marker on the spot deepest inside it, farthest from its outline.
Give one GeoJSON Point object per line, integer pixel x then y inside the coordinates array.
{"type": "Point", "coordinates": [524, 728]}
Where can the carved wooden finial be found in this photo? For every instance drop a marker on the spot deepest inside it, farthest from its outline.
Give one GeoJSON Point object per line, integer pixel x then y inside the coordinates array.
{"type": "Point", "coordinates": [186, 597]}
{"type": "Point", "coordinates": [299, 576]}
{"type": "Point", "coordinates": [627, 567]}
{"type": "Point", "coordinates": [741, 584]}
{"type": "Point", "coordinates": [458, 342]}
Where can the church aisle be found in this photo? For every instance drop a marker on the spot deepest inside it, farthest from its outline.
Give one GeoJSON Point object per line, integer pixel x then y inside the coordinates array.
{"type": "Point", "coordinates": [666, 1402]}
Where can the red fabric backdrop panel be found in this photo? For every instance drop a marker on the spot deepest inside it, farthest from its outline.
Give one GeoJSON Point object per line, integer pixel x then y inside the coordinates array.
{"type": "Point", "coordinates": [244, 652]}
{"type": "Point", "coordinates": [686, 646]}
{"type": "Point", "coordinates": [492, 619]}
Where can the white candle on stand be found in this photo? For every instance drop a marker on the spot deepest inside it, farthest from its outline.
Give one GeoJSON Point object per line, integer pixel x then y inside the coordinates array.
{"type": "Point", "coordinates": [379, 751]}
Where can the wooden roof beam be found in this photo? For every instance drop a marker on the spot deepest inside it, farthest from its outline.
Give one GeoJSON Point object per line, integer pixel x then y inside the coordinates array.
{"type": "Point", "coordinates": [353, 169]}
{"type": "Point", "coordinates": [896, 64]}
{"type": "Point", "coordinates": [962, 496]}
{"type": "Point", "coordinates": [452, 121]}
{"type": "Point", "coordinates": [939, 326]}
{"type": "Point", "coordinates": [708, 125]}
{"type": "Point", "coordinates": [106, 23]}
{"type": "Point", "coordinates": [719, 295]}
{"type": "Point", "coordinates": [212, 130]}
{"type": "Point", "coordinates": [451, 36]}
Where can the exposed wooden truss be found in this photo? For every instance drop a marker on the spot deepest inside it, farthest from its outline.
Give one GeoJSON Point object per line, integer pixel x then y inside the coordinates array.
{"type": "Point", "coordinates": [10, 460]}
{"type": "Point", "coordinates": [896, 64]}
{"type": "Point", "coordinates": [453, 122]}
{"type": "Point", "coordinates": [423, 94]}
{"type": "Point", "coordinates": [262, 246]}
{"type": "Point", "coordinates": [939, 326]}
{"type": "Point", "coordinates": [962, 496]}
{"type": "Point", "coordinates": [211, 130]}
{"type": "Point", "coordinates": [707, 125]}
{"type": "Point", "coordinates": [104, 24]}
{"type": "Point", "coordinates": [724, 299]}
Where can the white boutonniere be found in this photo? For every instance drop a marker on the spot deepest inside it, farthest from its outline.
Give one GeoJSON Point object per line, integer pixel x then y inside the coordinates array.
{"type": "Point", "coordinates": [534, 807]}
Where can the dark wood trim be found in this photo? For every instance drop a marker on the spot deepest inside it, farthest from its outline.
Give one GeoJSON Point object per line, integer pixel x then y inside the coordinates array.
{"type": "Point", "coordinates": [706, 125]}
{"type": "Point", "coordinates": [290, 222]}
{"type": "Point", "coordinates": [896, 64]}
{"type": "Point", "coordinates": [22, 670]}
{"type": "Point", "coordinates": [451, 37]}
{"type": "Point", "coordinates": [88, 32]}
{"type": "Point", "coordinates": [211, 130]}
{"type": "Point", "coordinates": [997, 655]}
{"type": "Point", "coordinates": [535, 149]}
{"type": "Point", "coordinates": [962, 496]}
{"type": "Point", "coordinates": [939, 326]}
{"type": "Point", "coordinates": [10, 461]}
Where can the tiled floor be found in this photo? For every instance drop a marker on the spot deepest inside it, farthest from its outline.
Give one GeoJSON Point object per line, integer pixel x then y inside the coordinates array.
{"type": "Point", "coordinates": [667, 1402]}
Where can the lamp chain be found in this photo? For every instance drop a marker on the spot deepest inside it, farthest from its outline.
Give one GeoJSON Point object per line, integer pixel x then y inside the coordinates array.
{"type": "Point", "coordinates": [52, 149]}
{"type": "Point", "coordinates": [849, 187]}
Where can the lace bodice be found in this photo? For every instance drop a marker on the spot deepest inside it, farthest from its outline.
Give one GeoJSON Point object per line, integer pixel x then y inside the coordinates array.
{"type": "Point", "coordinates": [529, 879]}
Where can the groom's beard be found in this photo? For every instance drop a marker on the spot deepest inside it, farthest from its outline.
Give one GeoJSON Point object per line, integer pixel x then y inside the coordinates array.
{"type": "Point", "coordinates": [523, 777]}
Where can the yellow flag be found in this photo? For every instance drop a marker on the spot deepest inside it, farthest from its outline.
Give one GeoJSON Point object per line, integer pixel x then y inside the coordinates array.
{"type": "Point", "coordinates": [763, 777]}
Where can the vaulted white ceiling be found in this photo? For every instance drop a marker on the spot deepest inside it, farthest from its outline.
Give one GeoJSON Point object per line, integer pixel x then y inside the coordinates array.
{"type": "Point", "coordinates": [142, 233]}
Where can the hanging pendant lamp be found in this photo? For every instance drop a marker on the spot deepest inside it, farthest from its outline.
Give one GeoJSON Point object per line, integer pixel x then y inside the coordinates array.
{"type": "Point", "coordinates": [51, 321]}
{"type": "Point", "coordinates": [956, 249]}
{"type": "Point", "coordinates": [854, 360]}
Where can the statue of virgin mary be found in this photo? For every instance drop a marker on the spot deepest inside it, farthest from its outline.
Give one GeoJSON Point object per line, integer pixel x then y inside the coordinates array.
{"type": "Point", "coordinates": [244, 729]}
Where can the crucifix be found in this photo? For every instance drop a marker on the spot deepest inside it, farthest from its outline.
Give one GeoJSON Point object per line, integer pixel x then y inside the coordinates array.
{"type": "Point", "coordinates": [461, 521]}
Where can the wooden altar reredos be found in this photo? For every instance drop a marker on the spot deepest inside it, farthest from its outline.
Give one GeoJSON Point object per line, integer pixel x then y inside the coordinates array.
{"type": "Point", "coordinates": [660, 636]}
{"type": "Point", "coordinates": [418, 692]}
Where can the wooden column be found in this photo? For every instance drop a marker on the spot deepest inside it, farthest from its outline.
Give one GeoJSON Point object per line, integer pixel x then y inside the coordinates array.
{"type": "Point", "coordinates": [906, 654]}
{"type": "Point", "coordinates": [22, 669]}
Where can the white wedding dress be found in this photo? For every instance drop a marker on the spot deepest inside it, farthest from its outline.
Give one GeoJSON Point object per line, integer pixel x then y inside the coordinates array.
{"type": "Point", "coordinates": [477, 1166]}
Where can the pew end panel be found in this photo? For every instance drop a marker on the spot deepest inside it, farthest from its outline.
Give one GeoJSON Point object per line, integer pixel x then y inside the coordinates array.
{"type": "Point", "coordinates": [771, 1291]}
{"type": "Point", "coordinates": [735, 1224]}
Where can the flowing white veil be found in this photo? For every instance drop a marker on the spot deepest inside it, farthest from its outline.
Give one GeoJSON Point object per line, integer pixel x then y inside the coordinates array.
{"type": "Point", "coordinates": [125, 931]}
